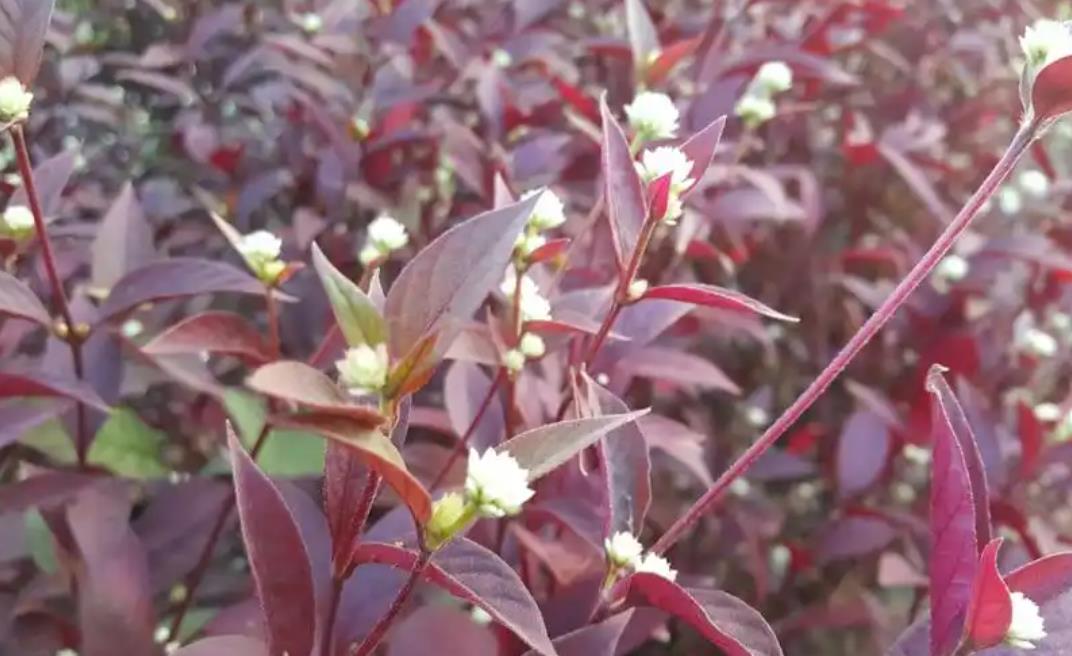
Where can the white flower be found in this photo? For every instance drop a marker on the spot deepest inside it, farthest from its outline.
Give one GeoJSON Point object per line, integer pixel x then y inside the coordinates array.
{"type": "Point", "coordinates": [15, 100]}
{"type": "Point", "coordinates": [363, 369]}
{"type": "Point", "coordinates": [311, 22]}
{"type": "Point", "coordinates": [527, 243]}
{"type": "Point", "coordinates": [531, 346]}
{"type": "Point", "coordinates": [1010, 201]}
{"type": "Point", "coordinates": [653, 115]}
{"type": "Point", "coordinates": [496, 484]}
{"type": "Point", "coordinates": [261, 251]}
{"type": "Point", "coordinates": [534, 307]}
{"type": "Point", "coordinates": [549, 211]}
{"type": "Point", "coordinates": [657, 162]}
{"type": "Point", "coordinates": [637, 289]}
{"type": "Point", "coordinates": [952, 268]}
{"type": "Point", "coordinates": [1047, 412]}
{"type": "Point", "coordinates": [623, 549]}
{"type": "Point", "coordinates": [1045, 42]}
{"type": "Point", "coordinates": [17, 220]}
{"type": "Point", "coordinates": [1027, 626]}
{"type": "Point", "coordinates": [369, 254]}
{"type": "Point", "coordinates": [1034, 182]}
{"type": "Point", "coordinates": [513, 360]}
{"type": "Point", "coordinates": [655, 564]}
{"type": "Point", "coordinates": [755, 110]}
{"type": "Point", "coordinates": [387, 234]}
{"type": "Point", "coordinates": [1028, 337]}
{"type": "Point", "coordinates": [774, 77]}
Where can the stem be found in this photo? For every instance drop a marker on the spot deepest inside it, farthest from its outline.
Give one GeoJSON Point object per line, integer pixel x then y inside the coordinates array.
{"type": "Point", "coordinates": [376, 635]}
{"type": "Point", "coordinates": [333, 611]}
{"type": "Point", "coordinates": [459, 448]}
{"type": "Point", "coordinates": [272, 306]}
{"type": "Point", "coordinates": [882, 315]}
{"type": "Point", "coordinates": [197, 575]}
{"type": "Point", "coordinates": [59, 295]}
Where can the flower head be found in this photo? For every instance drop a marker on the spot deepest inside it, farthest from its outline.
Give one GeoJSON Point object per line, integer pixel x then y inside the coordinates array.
{"type": "Point", "coordinates": [623, 549]}
{"type": "Point", "coordinates": [15, 100]}
{"type": "Point", "coordinates": [531, 346]}
{"type": "Point", "coordinates": [1034, 182]}
{"type": "Point", "coordinates": [17, 220]}
{"type": "Point", "coordinates": [496, 484]}
{"type": "Point", "coordinates": [364, 369]}
{"type": "Point", "coordinates": [528, 242]}
{"type": "Point", "coordinates": [513, 360]}
{"type": "Point", "coordinates": [549, 211]}
{"type": "Point", "coordinates": [774, 77]}
{"type": "Point", "coordinates": [1027, 626]}
{"type": "Point", "coordinates": [534, 307]}
{"type": "Point", "coordinates": [653, 115]}
{"type": "Point", "coordinates": [261, 251]}
{"type": "Point", "coordinates": [1045, 42]}
{"type": "Point", "coordinates": [657, 162]}
{"type": "Point", "coordinates": [755, 110]}
{"type": "Point", "coordinates": [1028, 337]}
{"type": "Point", "coordinates": [655, 564]}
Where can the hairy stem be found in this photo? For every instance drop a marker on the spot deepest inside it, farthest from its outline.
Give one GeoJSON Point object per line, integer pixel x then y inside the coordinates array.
{"type": "Point", "coordinates": [882, 315]}
{"type": "Point", "coordinates": [376, 635]}
{"type": "Point", "coordinates": [71, 334]}
{"type": "Point", "coordinates": [197, 575]}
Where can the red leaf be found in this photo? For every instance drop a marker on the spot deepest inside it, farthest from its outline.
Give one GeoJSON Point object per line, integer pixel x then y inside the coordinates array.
{"type": "Point", "coordinates": [18, 300]}
{"type": "Point", "coordinates": [23, 24]}
{"type": "Point", "coordinates": [40, 383]}
{"type": "Point", "coordinates": [299, 383]}
{"type": "Point", "coordinates": [449, 279]}
{"type": "Point", "coordinates": [1030, 430]}
{"type": "Point", "coordinates": [576, 98]}
{"type": "Point", "coordinates": [990, 610]}
{"type": "Point", "coordinates": [723, 620]}
{"type": "Point", "coordinates": [717, 297]}
{"type": "Point", "coordinates": [228, 645]}
{"type": "Point", "coordinates": [550, 250]}
{"type": "Point", "coordinates": [373, 447]}
{"type": "Point", "coordinates": [659, 195]}
{"type": "Point", "coordinates": [1043, 580]}
{"type": "Point", "coordinates": [175, 278]}
{"type": "Point", "coordinates": [225, 333]}
{"type": "Point", "coordinates": [1050, 95]}
{"type": "Point", "coordinates": [282, 573]}
{"type": "Point", "coordinates": [700, 149]}
{"type": "Point", "coordinates": [474, 574]}
{"type": "Point", "coordinates": [862, 451]}
{"type": "Point", "coordinates": [623, 189]}
{"type": "Point", "coordinates": [953, 551]}
{"type": "Point", "coordinates": [669, 57]}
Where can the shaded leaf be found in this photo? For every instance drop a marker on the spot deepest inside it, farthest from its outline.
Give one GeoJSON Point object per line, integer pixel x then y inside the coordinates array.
{"type": "Point", "coordinates": [465, 390]}
{"type": "Point", "coordinates": [126, 446]}
{"type": "Point", "coordinates": [863, 447]}
{"type": "Point", "coordinates": [43, 490]}
{"type": "Point", "coordinates": [1050, 95]}
{"type": "Point", "coordinates": [356, 314]}
{"type": "Point", "coordinates": [663, 363]}
{"type": "Point", "coordinates": [228, 645]}
{"type": "Point", "coordinates": [42, 384]}
{"type": "Point", "coordinates": [374, 448]}
{"type": "Point", "coordinates": [595, 639]}
{"type": "Point", "coordinates": [23, 24]}
{"type": "Point", "coordinates": [18, 300]}
{"type": "Point", "coordinates": [474, 574]}
{"type": "Point", "coordinates": [124, 241]}
{"type": "Point", "coordinates": [722, 619]}
{"type": "Point", "coordinates": [272, 538]}
{"type": "Point", "coordinates": [175, 278]}
{"type": "Point", "coordinates": [542, 449]}
{"type": "Point", "coordinates": [624, 192]}
{"type": "Point", "coordinates": [452, 631]}
{"type": "Point", "coordinates": [717, 297]}
{"type": "Point", "coordinates": [224, 333]}
{"type": "Point", "coordinates": [50, 177]}
{"type": "Point", "coordinates": [990, 609]}
{"type": "Point", "coordinates": [299, 383]}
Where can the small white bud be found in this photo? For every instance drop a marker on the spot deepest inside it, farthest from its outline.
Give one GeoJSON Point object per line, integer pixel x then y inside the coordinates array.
{"type": "Point", "coordinates": [386, 234]}
{"type": "Point", "coordinates": [131, 328]}
{"type": "Point", "coordinates": [528, 243]}
{"type": "Point", "coordinates": [755, 110]}
{"type": "Point", "coordinates": [653, 115]}
{"type": "Point", "coordinates": [623, 549]}
{"type": "Point", "coordinates": [774, 77]}
{"type": "Point", "coordinates": [532, 346]}
{"type": "Point", "coordinates": [311, 22]}
{"type": "Point", "coordinates": [261, 251]}
{"type": "Point", "coordinates": [1047, 412]}
{"type": "Point", "coordinates": [952, 268]}
{"type": "Point", "coordinates": [364, 369]}
{"type": "Point", "coordinates": [1010, 201]}
{"type": "Point", "coordinates": [637, 289]}
{"type": "Point", "coordinates": [1028, 337]}
{"type": "Point", "coordinates": [15, 100]}
{"type": "Point", "coordinates": [513, 360]}
{"type": "Point", "coordinates": [501, 58]}
{"type": "Point", "coordinates": [369, 254]}
{"type": "Point", "coordinates": [1034, 183]}
{"type": "Point", "coordinates": [1027, 626]}
{"type": "Point", "coordinates": [534, 307]}
{"type": "Point", "coordinates": [496, 484]}
{"type": "Point", "coordinates": [654, 564]}
{"type": "Point", "coordinates": [549, 212]}
{"type": "Point", "coordinates": [756, 416]}
{"type": "Point", "coordinates": [18, 221]}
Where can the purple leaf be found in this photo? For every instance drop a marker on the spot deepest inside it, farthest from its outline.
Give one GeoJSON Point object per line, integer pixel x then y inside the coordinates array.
{"type": "Point", "coordinates": [23, 24]}
{"type": "Point", "coordinates": [115, 601]}
{"type": "Point", "coordinates": [18, 300]}
{"type": "Point", "coordinates": [281, 567]}
{"type": "Point", "coordinates": [299, 383]}
{"type": "Point", "coordinates": [43, 490]}
{"type": "Point", "coordinates": [542, 449]}
{"type": "Point", "coordinates": [124, 241]}
{"type": "Point", "coordinates": [228, 645]}
{"type": "Point", "coordinates": [176, 278]}
{"type": "Point", "coordinates": [662, 363]}
{"type": "Point", "coordinates": [18, 417]}
{"type": "Point", "coordinates": [722, 619]}
{"type": "Point", "coordinates": [700, 149]}
{"type": "Point", "coordinates": [854, 536]}
{"type": "Point", "coordinates": [453, 632]}
{"type": "Point", "coordinates": [449, 279]}
{"type": "Point", "coordinates": [41, 383]}
{"type": "Point", "coordinates": [595, 639]}
{"type": "Point", "coordinates": [464, 390]}
{"type": "Point", "coordinates": [626, 206]}
{"type": "Point", "coordinates": [51, 177]}
{"type": "Point", "coordinates": [716, 297]}
{"type": "Point", "coordinates": [224, 333]}
{"type": "Point", "coordinates": [628, 466]}
{"type": "Point", "coordinates": [643, 39]}
{"type": "Point", "coordinates": [862, 450]}
{"type": "Point", "coordinates": [474, 574]}
{"type": "Point", "coordinates": [953, 559]}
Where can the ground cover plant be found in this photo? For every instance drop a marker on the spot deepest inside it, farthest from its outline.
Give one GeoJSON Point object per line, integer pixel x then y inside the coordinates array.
{"type": "Point", "coordinates": [337, 327]}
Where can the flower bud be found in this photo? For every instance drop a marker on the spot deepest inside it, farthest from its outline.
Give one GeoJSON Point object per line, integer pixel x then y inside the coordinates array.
{"type": "Point", "coordinates": [623, 550]}
{"type": "Point", "coordinates": [755, 110]}
{"type": "Point", "coordinates": [532, 346]}
{"type": "Point", "coordinates": [773, 77]}
{"type": "Point", "coordinates": [261, 251]}
{"type": "Point", "coordinates": [1027, 626]}
{"type": "Point", "coordinates": [513, 360]}
{"type": "Point", "coordinates": [637, 289]}
{"type": "Point", "coordinates": [450, 515]}
{"type": "Point", "coordinates": [15, 100]}
{"type": "Point", "coordinates": [364, 369]}
{"type": "Point", "coordinates": [17, 222]}
{"type": "Point", "coordinates": [495, 484]}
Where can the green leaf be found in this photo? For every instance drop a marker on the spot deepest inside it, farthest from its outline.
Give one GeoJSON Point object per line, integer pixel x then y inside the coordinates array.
{"type": "Point", "coordinates": [39, 542]}
{"type": "Point", "coordinates": [291, 453]}
{"type": "Point", "coordinates": [356, 314]}
{"type": "Point", "coordinates": [248, 412]}
{"type": "Point", "coordinates": [51, 439]}
{"type": "Point", "coordinates": [128, 446]}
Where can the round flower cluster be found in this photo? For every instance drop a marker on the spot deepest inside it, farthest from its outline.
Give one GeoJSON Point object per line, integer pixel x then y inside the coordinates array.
{"type": "Point", "coordinates": [666, 160]}
{"type": "Point", "coordinates": [624, 552]}
{"type": "Point", "coordinates": [385, 235]}
{"type": "Point", "coordinates": [1027, 626]}
{"type": "Point", "coordinates": [533, 305]}
{"type": "Point", "coordinates": [363, 369]}
{"type": "Point", "coordinates": [17, 222]}
{"type": "Point", "coordinates": [757, 106]}
{"type": "Point", "coordinates": [652, 115]}
{"type": "Point", "coordinates": [15, 100]}
{"type": "Point", "coordinates": [548, 214]}
{"type": "Point", "coordinates": [261, 250]}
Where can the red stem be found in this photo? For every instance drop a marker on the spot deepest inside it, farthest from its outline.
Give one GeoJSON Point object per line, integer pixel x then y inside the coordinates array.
{"type": "Point", "coordinates": [272, 308]}
{"type": "Point", "coordinates": [333, 611]}
{"type": "Point", "coordinates": [459, 448]}
{"type": "Point", "coordinates": [71, 334]}
{"type": "Point", "coordinates": [376, 635]}
{"type": "Point", "coordinates": [885, 312]}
